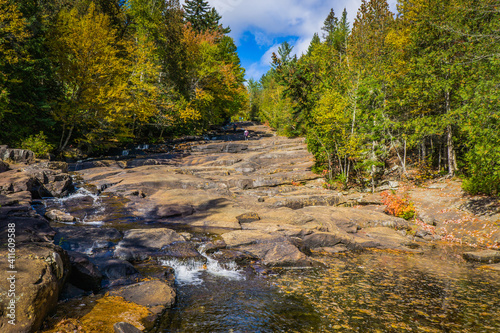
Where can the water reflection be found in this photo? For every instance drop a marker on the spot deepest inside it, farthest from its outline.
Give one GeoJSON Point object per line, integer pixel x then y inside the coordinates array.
{"type": "Point", "coordinates": [226, 305]}
{"type": "Point", "coordinates": [391, 292]}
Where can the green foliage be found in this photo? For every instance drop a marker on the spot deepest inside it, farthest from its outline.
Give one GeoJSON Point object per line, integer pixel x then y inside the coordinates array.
{"type": "Point", "coordinates": [423, 84]}
{"type": "Point", "coordinates": [203, 17]}
{"type": "Point", "coordinates": [100, 73]}
{"type": "Point", "coordinates": [37, 144]}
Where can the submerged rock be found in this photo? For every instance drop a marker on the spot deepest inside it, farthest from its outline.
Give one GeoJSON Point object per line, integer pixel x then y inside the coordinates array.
{"type": "Point", "coordinates": [86, 239]}
{"type": "Point", "coordinates": [141, 244]}
{"type": "Point", "coordinates": [486, 256]}
{"type": "Point", "coordinates": [115, 269]}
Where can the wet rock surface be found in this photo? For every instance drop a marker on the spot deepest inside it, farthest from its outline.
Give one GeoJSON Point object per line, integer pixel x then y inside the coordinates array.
{"type": "Point", "coordinates": [154, 295]}
{"type": "Point", "coordinates": [84, 274]}
{"type": "Point", "coordinates": [487, 256]}
{"type": "Point", "coordinates": [86, 239]}
{"type": "Point", "coordinates": [39, 269]}
{"type": "Point", "coordinates": [259, 197]}
{"type": "Point", "coordinates": [142, 244]}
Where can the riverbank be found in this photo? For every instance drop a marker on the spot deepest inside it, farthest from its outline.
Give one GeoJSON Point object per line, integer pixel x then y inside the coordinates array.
{"type": "Point", "coordinates": [246, 204]}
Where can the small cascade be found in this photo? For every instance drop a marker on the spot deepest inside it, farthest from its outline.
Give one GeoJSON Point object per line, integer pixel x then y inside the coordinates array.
{"type": "Point", "coordinates": [78, 202]}
{"type": "Point", "coordinates": [80, 193]}
{"type": "Point", "coordinates": [190, 272]}
{"type": "Point", "coordinates": [142, 147]}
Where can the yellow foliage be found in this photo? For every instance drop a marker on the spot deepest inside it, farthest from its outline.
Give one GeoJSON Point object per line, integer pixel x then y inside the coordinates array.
{"type": "Point", "coordinates": [12, 30]}
{"type": "Point", "coordinates": [216, 91]}
{"type": "Point", "coordinates": [108, 82]}
{"type": "Point", "coordinates": [90, 67]}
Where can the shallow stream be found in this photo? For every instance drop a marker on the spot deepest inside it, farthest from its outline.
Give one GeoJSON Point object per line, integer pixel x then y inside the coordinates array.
{"type": "Point", "coordinates": [372, 291]}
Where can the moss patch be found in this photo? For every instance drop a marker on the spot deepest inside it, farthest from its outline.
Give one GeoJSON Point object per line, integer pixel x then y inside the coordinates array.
{"type": "Point", "coordinates": [94, 314]}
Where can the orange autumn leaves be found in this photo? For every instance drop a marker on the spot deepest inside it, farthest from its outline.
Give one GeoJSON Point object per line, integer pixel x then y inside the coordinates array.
{"type": "Point", "coordinates": [216, 88]}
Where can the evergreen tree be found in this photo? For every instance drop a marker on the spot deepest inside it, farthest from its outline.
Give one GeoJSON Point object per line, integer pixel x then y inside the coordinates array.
{"type": "Point", "coordinates": [203, 17]}
{"type": "Point", "coordinates": [314, 43]}
{"type": "Point", "coordinates": [329, 26]}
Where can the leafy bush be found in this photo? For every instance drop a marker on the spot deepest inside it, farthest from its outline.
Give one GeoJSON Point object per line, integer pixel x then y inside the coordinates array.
{"type": "Point", "coordinates": [398, 206]}
{"type": "Point", "coordinates": [37, 144]}
{"type": "Point", "coordinates": [484, 170]}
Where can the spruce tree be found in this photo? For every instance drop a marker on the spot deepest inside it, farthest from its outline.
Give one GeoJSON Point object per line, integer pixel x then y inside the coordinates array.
{"type": "Point", "coordinates": [329, 26]}
{"type": "Point", "coordinates": [202, 16]}
{"type": "Point", "coordinates": [314, 42]}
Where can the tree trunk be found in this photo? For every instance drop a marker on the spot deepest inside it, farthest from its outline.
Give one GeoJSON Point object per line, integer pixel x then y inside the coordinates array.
{"type": "Point", "coordinates": [452, 163]}
{"type": "Point", "coordinates": [424, 151]}
{"type": "Point", "coordinates": [62, 136]}
{"type": "Point", "coordinates": [440, 157]}
{"type": "Point", "coordinates": [404, 158]}
{"type": "Point", "coordinates": [68, 137]}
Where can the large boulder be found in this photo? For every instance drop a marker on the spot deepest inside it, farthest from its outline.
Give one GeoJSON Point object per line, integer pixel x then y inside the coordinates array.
{"type": "Point", "coordinates": [116, 271]}
{"type": "Point", "coordinates": [278, 254]}
{"type": "Point", "coordinates": [59, 216]}
{"type": "Point", "coordinates": [155, 295]}
{"type": "Point", "coordinates": [123, 327]}
{"type": "Point", "coordinates": [51, 183]}
{"type": "Point", "coordinates": [142, 244]}
{"type": "Point", "coordinates": [17, 155]}
{"type": "Point", "coordinates": [246, 237]}
{"type": "Point", "coordinates": [41, 270]}
{"type": "Point", "coordinates": [4, 166]}
{"type": "Point", "coordinates": [28, 229]}
{"type": "Point", "coordinates": [182, 250]}
{"type": "Point", "coordinates": [14, 199]}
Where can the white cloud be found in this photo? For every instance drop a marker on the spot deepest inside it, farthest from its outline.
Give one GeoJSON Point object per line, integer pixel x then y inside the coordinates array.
{"type": "Point", "coordinates": [262, 39]}
{"type": "Point", "coordinates": [271, 19]}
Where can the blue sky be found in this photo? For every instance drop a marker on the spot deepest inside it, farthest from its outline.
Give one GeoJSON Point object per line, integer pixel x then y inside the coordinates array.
{"type": "Point", "coordinates": [260, 26]}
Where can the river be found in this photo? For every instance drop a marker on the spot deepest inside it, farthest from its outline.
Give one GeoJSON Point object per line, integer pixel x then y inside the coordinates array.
{"type": "Point", "coordinates": [370, 291]}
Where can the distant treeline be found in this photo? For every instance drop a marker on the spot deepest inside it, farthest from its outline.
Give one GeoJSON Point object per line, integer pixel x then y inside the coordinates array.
{"type": "Point", "coordinates": [420, 86]}
{"type": "Point", "coordinates": [96, 73]}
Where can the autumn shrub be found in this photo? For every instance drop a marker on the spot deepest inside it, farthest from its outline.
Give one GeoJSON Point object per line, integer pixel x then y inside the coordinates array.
{"type": "Point", "coordinates": [397, 205]}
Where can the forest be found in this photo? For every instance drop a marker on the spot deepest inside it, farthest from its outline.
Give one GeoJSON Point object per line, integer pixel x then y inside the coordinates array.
{"type": "Point", "coordinates": [94, 74]}
{"type": "Point", "coordinates": [419, 87]}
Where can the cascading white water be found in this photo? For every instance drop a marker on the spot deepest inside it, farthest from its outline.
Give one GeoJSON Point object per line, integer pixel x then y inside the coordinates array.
{"type": "Point", "coordinates": [80, 193]}
{"type": "Point", "coordinates": [69, 200]}
{"type": "Point", "coordinates": [190, 272]}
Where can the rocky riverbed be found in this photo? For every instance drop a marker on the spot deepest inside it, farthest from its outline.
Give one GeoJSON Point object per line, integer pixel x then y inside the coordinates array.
{"type": "Point", "coordinates": [109, 240]}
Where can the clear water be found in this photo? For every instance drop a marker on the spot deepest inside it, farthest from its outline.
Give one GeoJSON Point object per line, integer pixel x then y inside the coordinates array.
{"type": "Point", "coordinates": [394, 292]}
{"type": "Point", "coordinates": [371, 291]}
{"type": "Point", "coordinates": [222, 304]}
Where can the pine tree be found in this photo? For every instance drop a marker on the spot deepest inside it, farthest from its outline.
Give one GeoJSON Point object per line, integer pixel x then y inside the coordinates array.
{"type": "Point", "coordinates": [314, 42]}
{"type": "Point", "coordinates": [203, 17]}
{"type": "Point", "coordinates": [329, 26]}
